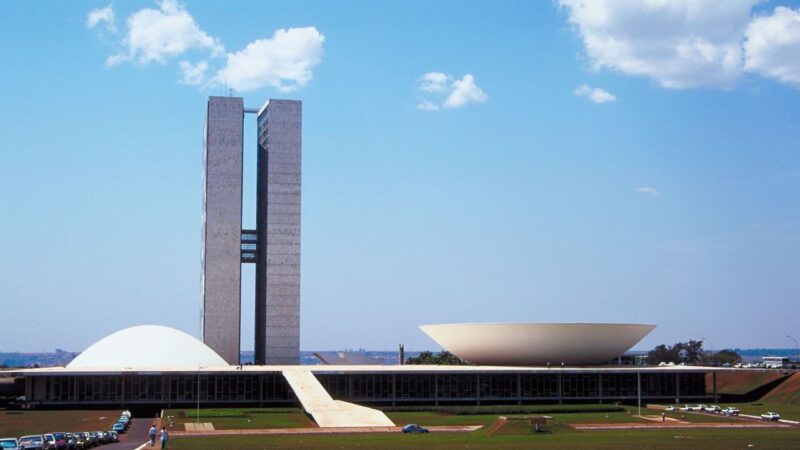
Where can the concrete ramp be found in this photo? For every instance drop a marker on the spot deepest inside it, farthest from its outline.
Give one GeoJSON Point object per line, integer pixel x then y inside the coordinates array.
{"type": "Point", "coordinates": [326, 411]}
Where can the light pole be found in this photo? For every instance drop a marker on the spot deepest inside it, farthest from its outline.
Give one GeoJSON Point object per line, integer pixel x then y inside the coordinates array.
{"type": "Point", "coordinates": [796, 349]}
{"type": "Point", "coordinates": [711, 350]}
{"type": "Point", "coordinates": [197, 416]}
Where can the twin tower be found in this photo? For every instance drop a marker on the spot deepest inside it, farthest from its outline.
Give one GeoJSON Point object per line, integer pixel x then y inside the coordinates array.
{"type": "Point", "coordinates": [274, 246]}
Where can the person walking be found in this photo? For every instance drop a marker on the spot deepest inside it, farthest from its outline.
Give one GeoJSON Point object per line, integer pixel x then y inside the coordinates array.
{"type": "Point", "coordinates": [152, 435]}
{"type": "Point", "coordinates": [163, 437]}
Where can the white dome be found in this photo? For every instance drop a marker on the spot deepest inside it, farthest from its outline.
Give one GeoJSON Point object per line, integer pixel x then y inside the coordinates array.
{"type": "Point", "coordinates": [147, 346]}
{"type": "Point", "coordinates": [531, 344]}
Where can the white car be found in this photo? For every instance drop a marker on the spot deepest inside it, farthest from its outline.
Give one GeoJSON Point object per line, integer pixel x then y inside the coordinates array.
{"type": "Point", "coordinates": [685, 408]}
{"type": "Point", "coordinates": [669, 408]}
{"type": "Point", "coordinates": [699, 408]}
{"type": "Point", "coordinates": [731, 411]}
{"type": "Point", "coordinates": [713, 408]}
{"type": "Point", "coordinates": [771, 416]}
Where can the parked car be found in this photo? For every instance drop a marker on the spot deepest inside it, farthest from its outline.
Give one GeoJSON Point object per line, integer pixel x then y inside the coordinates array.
{"type": "Point", "coordinates": [771, 416]}
{"type": "Point", "coordinates": [119, 427]}
{"type": "Point", "coordinates": [114, 435]}
{"type": "Point", "coordinates": [61, 440]}
{"type": "Point", "coordinates": [669, 408]}
{"type": "Point", "coordinates": [93, 438]}
{"type": "Point", "coordinates": [713, 409]}
{"type": "Point", "coordinates": [80, 440]}
{"type": "Point", "coordinates": [414, 428]}
{"type": "Point", "coordinates": [9, 443]}
{"type": "Point", "coordinates": [685, 408]}
{"type": "Point", "coordinates": [72, 443]}
{"type": "Point", "coordinates": [34, 441]}
{"type": "Point", "coordinates": [731, 411]}
{"type": "Point", "coordinates": [50, 441]}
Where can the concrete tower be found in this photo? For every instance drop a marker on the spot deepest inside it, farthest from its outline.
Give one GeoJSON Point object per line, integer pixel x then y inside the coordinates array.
{"type": "Point", "coordinates": [274, 246]}
{"type": "Point", "coordinates": [278, 222]}
{"type": "Point", "coordinates": [222, 226]}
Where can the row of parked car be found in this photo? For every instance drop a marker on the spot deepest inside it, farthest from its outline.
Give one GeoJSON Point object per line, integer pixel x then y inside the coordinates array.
{"type": "Point", "coordinates": [729, 411]}
{"type": "Point", "coordinates": [68, 441]}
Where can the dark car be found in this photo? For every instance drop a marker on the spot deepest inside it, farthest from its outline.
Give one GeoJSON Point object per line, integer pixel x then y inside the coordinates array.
{"type": "Point", "coordinates": [92, 437]}
{"type": "Point", "coordinates": [72, 443]}
{"type": "Point", "coordinates": [61, 440]}
{"type": "Point", "coordinates": [414, 428]}
{"type": "Point", "coordinates": [80, 440]}
{"type": "Point", "coordinates": [114, 436]}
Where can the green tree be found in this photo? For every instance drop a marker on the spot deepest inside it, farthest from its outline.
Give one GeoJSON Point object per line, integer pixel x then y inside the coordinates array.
{"type": "Point", "coordinates": [444, 358]}
{"type": "Point", "coordinates": [682, 352]}
{"type": "Point", "coordinates": [722, 357]}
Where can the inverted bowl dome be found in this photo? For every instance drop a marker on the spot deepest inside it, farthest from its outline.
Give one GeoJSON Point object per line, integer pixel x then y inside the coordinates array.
{"type": "Point", "coordinates": [532, 344]}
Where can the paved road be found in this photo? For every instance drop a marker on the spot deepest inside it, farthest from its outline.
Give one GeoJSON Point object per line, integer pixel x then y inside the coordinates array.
{"type": "Point", "coordinates": [135, 437]}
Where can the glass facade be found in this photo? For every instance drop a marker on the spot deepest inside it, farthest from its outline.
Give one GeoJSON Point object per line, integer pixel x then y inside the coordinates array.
{"type": "Point", "coordinates": [367, 387]}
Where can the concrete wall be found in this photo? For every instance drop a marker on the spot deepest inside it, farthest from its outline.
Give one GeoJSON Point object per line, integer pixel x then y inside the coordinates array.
{"type": "Point", "coordinates": [222, 225]}
{"type": "Point", "coordinates": [277, 327]}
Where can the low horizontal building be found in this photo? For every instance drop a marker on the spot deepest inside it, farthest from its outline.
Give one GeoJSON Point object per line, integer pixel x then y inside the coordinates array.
{"type": "Point", "coordinates": [119, 371]}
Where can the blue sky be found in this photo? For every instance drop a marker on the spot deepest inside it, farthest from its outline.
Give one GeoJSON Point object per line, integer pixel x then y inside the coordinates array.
{"type": "Point", "coordinates": [562, 161]}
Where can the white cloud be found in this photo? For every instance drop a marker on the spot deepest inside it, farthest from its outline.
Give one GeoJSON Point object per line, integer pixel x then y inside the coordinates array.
{"type": "Point", "coordinates": [648, 190]}
{"type": "Point", "coordinates": [450, 92]}
{"type": "Point", "coordinates": [435, 82]}
{"type": "Point", "coordinates": [465, 91]}
{"type": "Point", "coordinates": [773, 45]}
{"type": "Point", "coordinates": [427, 105]}
{"type": "Point", "coordinates": [160, 34]}
{"type": "Point", "coordinates": [680, 44]}
{"type": "Point", "coordinates": [194, 74]}
{"type": "Point", "coordinates": [283, 61]}
{"type": "Point", "coordinates": [596, 95]}
{"type": "Point", "coordinates": [164, 34]}
{"type": "Point", "coordinates": [104, 16]}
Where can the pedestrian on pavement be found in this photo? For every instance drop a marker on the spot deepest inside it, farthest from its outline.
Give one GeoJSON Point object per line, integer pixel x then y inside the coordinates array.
{"type": "Point", "coordinates": [152, 435]}
{"type": "Point", "coordinates": [163, 437]}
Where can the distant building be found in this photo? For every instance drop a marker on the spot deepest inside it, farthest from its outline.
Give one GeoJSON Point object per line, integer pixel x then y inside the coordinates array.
{"type": "Point", "coordinates": [274, 246]}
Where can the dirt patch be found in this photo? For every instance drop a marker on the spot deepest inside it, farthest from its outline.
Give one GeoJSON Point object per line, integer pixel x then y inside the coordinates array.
{"type": "Point", "coordinates": [741, 382]}
{"type": "Point", "coordinates": [786, 392]}
{"type": "Point", "coordinates": [496, 426]}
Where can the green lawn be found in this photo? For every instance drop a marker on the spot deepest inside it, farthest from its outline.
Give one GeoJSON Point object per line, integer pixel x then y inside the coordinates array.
{"type": "Point", "coordinates": [515, 434]}
{"type": "Point", "coordinates": [786, 410]}
{"type": "Point", "coordinates": [558, 436]}
{"type": "Point", "coordinates": [234, 419]}
{"type": "Point", "coordinates": [20, 423]}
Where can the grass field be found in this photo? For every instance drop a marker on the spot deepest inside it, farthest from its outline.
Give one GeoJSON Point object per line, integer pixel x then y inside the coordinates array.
{"type": "Point", "coordinates": [20, 423]}
{"type": "Point", "coordinates": [786, 410]}
{"type": "Point", "coordinates": [247, 418]}
{"type": "Point", "coordinates": [513, 436]}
